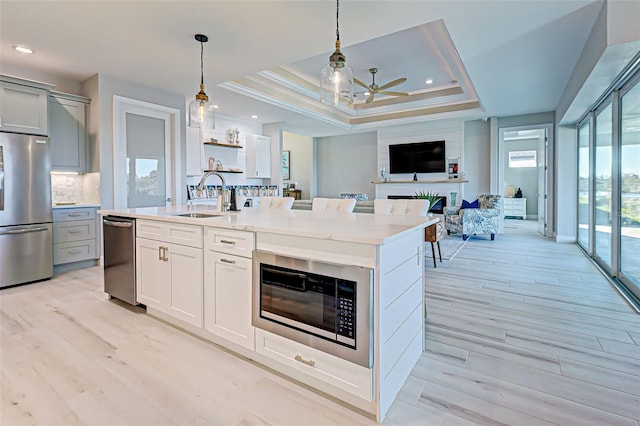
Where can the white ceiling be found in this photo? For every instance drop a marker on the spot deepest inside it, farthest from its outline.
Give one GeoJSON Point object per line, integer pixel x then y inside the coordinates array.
{"type": "Point", "coordinates": [509, 57]}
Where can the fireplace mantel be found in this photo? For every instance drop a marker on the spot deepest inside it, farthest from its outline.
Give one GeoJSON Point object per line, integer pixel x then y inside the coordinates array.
{"type": "Point", "coordinates": [457, 181]}
{"type": "Point", "coordinates": [448, 188]}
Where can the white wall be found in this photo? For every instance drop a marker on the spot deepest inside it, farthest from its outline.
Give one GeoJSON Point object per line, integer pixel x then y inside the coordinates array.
{"type": "Point", "coordinates": [230, 157]}
{"type": "Point", "coordinates": [451, 131]}
{"type": "Point", "coordinates": [525, 178]}
{"type": "Point", "coordinates": [566, 186]}
{"type": "Point", "coordinates": [477, 158]}
{"type": "Point", "coordinates": [101, 125]}
{"type": "Point", "coordinates": [346, 164]}
{"type": "Point", "coordinates": [301, 161]}
{"type": "Point", "coordinates": [62, 84]}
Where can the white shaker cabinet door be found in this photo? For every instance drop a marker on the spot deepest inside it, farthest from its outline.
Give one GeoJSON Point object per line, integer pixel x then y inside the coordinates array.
{"type": "Point", "coordinates": [258, 156]}
{"type": "Point", "coordinates": [227, 287]}
{"type": "Point", "coordinates": [23, 109]}
{"type": "Point", "coordinates": [185, 301]}
{"type": "Point", "coordinates": [152, 279]}
{"type": "Point", "coordinates": [68, 134]}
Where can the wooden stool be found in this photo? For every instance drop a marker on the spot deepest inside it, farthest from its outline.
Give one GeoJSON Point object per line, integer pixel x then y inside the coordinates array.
{"type": "Point", "coordinates": [433, 234]}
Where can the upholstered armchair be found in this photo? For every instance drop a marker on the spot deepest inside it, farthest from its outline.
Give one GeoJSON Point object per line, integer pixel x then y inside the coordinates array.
{"type": "Point", "coordinates": [474, 221]}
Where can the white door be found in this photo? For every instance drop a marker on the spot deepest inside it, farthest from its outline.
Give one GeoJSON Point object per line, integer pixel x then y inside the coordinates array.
{"type": "Point", "coordinates": [145, 156]}
{"type": "Point", "coordinates": [542, 182]}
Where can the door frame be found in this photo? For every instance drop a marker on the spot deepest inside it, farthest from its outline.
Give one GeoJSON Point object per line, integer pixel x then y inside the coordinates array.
{"type": "Point", "coordinates": [499, 186]}
{"type": "Point", "coordinates": [171, 117]}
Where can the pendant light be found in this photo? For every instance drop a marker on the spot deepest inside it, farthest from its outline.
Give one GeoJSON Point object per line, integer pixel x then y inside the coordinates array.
{"type": "Point", "coordinates": [336, 77]}
{"type": "Point", "coordinates": [200, 110]}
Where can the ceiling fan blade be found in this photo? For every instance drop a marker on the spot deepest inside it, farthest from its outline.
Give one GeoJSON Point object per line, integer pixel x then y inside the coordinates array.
{"type": "Point", "coordinates": [394, 93]}
{"type": "Point", "coordinates": [361, 83]}
{"type": "Point", "coordinates": [370, 98]}
{"type": "Point", "coordinates": [392, 83]}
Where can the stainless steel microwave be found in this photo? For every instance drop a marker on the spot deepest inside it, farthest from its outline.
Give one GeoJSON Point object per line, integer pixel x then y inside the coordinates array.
{"type": "Point", "coordinates": [323, 305]}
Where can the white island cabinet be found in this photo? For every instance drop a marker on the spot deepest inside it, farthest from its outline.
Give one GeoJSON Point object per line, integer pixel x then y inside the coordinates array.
{"type": "Point", "coordinates": [169, 269]}
{"type": "Point", "coordinates": [197, 272]}
{"type": "Point", "coordinates": [227, 285]}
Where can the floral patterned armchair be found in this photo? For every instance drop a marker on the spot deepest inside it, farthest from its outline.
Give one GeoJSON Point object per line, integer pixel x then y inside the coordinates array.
{"type": "Point", "coordinates": [483, 220]}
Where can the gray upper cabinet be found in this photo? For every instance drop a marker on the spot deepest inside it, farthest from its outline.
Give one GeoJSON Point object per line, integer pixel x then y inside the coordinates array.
{"type": "Point", "coordinates": [68, 118]}
{"type": "Point", "coordinates": [23, 106]}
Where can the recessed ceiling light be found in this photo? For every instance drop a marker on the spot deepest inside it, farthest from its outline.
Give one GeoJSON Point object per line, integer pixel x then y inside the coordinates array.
{"type": "Point", "coordinates": [216, 106]}
{"type": "Point", "coordinates": [254, 116]}
{"type": "Point", "coordinates": [429, 81]}
{"type": "Point", "coordinates": [23, 49]}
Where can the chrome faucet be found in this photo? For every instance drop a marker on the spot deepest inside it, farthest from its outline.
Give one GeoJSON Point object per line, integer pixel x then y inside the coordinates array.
{"type": "Point", "coordinates": [224, 184]}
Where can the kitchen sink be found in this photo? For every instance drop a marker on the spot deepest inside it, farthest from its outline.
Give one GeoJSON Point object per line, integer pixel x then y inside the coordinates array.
{"type": "Point", "coordinates": [200, 215]}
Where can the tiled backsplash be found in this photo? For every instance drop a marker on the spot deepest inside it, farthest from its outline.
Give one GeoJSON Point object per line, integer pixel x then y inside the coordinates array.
{"type": "Point", "coordinates": [65, 188]}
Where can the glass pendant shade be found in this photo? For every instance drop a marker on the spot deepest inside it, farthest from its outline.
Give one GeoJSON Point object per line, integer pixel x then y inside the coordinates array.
{"type": "Point", "coordinates": [201, 114]}
{"type": "Point", "coordinates": [336, 83]}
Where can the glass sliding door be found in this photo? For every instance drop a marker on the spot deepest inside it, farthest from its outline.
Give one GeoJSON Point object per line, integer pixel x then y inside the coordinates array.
{"type": "Point", "coordinates": [603, 182]}
{"type": "Point", "coordinates": [584, 193]}
{"type": "Point", "coordinates": [630, 188]}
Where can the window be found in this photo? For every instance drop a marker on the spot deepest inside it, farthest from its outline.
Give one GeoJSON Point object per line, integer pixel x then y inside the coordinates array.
{"type": "Point", "coordinates": [522, 159]}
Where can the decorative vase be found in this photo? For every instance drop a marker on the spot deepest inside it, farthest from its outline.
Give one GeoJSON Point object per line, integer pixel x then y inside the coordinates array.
{"type": "Point", "coordinates": [454, 195]}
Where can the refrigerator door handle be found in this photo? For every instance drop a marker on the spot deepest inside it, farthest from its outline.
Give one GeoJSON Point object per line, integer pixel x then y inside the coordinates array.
{"type": "Point", "coordinates": [22, 231]}
{"type": "Point", "coordinates": [1, 179]}
{"type": "Point", "coordinates": [117, 224]}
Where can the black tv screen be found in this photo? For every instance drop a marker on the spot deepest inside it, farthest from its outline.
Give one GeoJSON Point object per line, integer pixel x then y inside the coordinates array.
{"type": "Point", "coordinates": [421, 157]}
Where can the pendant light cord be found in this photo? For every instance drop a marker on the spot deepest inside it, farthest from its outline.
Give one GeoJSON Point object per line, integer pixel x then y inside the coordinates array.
{"type": "Point", "coordinates": [201, 64]}
{"type": "Point", "coordinates": [337, 20]}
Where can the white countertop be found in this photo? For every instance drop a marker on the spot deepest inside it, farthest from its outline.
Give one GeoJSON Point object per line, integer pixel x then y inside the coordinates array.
{"type": "Point", "coordinates": [351, 227]}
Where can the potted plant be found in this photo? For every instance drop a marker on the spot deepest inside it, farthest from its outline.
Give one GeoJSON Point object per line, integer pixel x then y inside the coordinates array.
{"type": "Point", "coordinates": [432, 197]}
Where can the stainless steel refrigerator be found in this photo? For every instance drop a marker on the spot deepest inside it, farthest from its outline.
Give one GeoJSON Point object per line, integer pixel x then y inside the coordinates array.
{"type": "Point", "coordinates": [26, 246]}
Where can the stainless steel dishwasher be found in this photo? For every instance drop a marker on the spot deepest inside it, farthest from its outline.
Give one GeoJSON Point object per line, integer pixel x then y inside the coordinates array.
{"type": "Point", "coordinates": [119, 235]}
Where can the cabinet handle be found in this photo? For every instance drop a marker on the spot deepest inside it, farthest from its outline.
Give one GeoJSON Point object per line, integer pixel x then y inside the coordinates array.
{"type": "Point", "coordinates": [228, 242]}
{"type": "Point", "coordinates": [230, 262]}
{"type": "Point", "coordinates": [310, 363]}
{"type": "Point", "coordinates": [74, 231]}
{"type": "Point", "coordinates": [418, 257]}
{"type": "Point", "coordinates": [160, 255]}
{"type": "Point", "coordinates": [74, 214]}
{"type": "Point", "coordinates": [74, 251]}
{"type": "Point", "coordinates": [166, 258]}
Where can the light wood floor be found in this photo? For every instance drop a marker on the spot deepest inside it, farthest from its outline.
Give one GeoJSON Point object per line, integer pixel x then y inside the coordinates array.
{"type": "Point", "coordinates": [520, 331]}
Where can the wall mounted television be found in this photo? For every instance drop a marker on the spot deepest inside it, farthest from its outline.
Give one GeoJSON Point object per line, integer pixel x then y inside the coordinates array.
{"type": "Point", "coordinates": [420, 157]}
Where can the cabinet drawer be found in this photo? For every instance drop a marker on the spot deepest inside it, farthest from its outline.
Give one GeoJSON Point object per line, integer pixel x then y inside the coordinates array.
{"type": "Point", "coordinates": [335, 371]}
{"type": "Point", "coordinates": [186, 235]}
{"type": "Point", "coordinates": [74, 251]}
{"type": "Point", "coordinates": [74, 231]}
{"type": "Point", "coordinates": [63, 215]}
{"type": "Point", "coordinates": [239, 243]}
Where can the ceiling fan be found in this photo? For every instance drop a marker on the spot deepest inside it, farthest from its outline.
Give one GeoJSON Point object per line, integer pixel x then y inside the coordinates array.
{"type": "Point", "coordinates": [374, 89]}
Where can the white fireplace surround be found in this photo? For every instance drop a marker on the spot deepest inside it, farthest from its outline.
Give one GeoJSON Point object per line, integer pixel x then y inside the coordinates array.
{"type": "Point", "coordinates": [451, 131]}
{"type": "Point", "coordinates": [383, 190]}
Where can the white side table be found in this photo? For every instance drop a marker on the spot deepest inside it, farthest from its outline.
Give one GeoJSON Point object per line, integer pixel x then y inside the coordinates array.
{"type": "Point", "coordinates": [515, 207]}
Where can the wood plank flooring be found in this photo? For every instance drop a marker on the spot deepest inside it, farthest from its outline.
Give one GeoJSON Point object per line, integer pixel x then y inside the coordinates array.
{"type": "Point", "coordinates": [520, 331]}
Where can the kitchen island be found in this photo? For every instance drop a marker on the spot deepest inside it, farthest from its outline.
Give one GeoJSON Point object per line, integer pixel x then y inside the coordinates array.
{"type": "Point", "coordinates": [198, 272]}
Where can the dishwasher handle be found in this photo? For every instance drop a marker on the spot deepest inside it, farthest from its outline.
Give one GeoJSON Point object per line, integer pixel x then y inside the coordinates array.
{"type": "Point", "coordinates": [117, 224]}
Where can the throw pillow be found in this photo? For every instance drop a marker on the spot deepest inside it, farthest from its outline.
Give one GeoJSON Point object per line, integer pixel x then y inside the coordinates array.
{"type": "Point", "coordinates": [468, 205]}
